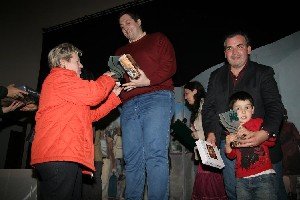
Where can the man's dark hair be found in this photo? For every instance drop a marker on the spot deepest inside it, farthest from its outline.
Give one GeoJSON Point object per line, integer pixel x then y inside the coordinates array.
{"type": "Point", "coordinates": [233, 34]}
{"type": "Point", "coordinates": [241, 95]}
{"type": "Point", "coordinates": [134, 15]}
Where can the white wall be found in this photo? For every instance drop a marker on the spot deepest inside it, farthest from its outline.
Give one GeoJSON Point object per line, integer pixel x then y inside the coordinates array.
{"type": "Point", "coordinates": [284, 56]}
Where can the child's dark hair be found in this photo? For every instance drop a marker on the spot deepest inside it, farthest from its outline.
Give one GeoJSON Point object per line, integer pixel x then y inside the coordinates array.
{"type": "Point", "coordinates": [241, 95]}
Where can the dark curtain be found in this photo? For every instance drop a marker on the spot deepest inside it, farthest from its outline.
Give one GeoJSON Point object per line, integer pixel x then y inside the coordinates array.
{"type": "Point", "coordinates": [97, 36]}
{"type": "Point", "coordinates": [197, 33]}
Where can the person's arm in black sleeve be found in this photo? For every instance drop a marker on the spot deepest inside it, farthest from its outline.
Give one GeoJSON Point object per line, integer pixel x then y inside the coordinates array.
{"type": "Point", "coordinates": [209, 116]}
{"type": "Point", "coordinates": [274, 109]}
{"type": "Point", "coordinates": [3, 92]}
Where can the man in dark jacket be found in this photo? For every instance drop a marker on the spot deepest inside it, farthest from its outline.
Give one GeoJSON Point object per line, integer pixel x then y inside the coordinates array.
{"type": "Point", "coordinates": [241, 74]}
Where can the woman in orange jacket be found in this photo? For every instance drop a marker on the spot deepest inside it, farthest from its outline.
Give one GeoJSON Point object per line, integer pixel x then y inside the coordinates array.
{"type": "Point", "coordinates": [63, 143]}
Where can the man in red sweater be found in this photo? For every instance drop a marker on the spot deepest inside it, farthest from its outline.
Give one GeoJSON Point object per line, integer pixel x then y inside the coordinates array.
{"type": "Point", "coordinates": [254, 173]}
{"type": "Point", "coordinates": [147, 110]}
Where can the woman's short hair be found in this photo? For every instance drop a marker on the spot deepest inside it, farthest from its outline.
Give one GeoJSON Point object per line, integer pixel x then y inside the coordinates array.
{"type": "Point", "coordinates": [63, 51]}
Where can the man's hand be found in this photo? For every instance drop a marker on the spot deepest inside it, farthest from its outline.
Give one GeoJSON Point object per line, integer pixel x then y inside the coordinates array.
{"type": "Point", "coordinates": [29, 107]}
{"type": "Point", "coordinates": [15, 92]}
{"type": "Point", "coordinates": [12, 107]}
{"type": "Point", "coordinates": [142, 81]}
{"type": "Point", "coordinates": [251, 139]}
{"type": "Point", "coordinates": [211, 138]}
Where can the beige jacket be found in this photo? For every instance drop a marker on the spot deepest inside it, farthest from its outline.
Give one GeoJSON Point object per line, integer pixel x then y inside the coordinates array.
{"type": "Point", "coordinates": [198, 129]}
{"type": "Point", "coordinates": [197, 125]}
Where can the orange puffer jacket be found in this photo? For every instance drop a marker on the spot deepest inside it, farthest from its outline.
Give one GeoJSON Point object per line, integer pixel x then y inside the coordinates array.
{"type": "Point", "coordinates": [63, 130]}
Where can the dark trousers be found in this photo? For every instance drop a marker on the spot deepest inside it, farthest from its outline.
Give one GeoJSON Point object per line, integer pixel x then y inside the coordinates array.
{"type": "Point", "coordinates": [59, 180]}
{"type": "Point", "coordinates": [92, 186]}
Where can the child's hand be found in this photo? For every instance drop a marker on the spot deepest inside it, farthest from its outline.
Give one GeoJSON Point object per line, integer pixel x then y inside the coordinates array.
{"type": "Point", "coordinates": [230, 138]}
{"type": "Point", "coordinates": [242, 133]}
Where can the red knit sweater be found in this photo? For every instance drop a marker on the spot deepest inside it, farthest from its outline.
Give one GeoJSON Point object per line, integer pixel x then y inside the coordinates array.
{"type": "Point", "coordinates": [155, 55]}
{"type": "Point", "coordinates": [252, 160]}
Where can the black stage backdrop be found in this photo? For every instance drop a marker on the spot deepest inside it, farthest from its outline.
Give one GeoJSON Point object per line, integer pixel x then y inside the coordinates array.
{"type": "Point", "coordinates": [197, 34]}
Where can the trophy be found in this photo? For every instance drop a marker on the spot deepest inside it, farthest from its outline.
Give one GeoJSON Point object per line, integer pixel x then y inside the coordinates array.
{"type": "Point", "coordinates": [231, 123]}
{"type": "Point", "coordinates": [115, 66]}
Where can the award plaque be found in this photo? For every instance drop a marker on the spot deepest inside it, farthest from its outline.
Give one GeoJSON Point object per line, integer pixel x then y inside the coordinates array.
{"type": "Point", "coordinates": [210, 155]}
{"type": "Point", "coordinates": [130, 66]}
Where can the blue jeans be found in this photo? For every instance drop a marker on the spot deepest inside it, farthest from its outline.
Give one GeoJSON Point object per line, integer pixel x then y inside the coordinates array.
{"type": "Point", "coordinates": [145, 123]}
{"type": "Point", "coordinates": [279, 185]}
{"type": "Point", "coordinates": [259, 187]}
{"type": "Point", "coordinates": [228, 173]}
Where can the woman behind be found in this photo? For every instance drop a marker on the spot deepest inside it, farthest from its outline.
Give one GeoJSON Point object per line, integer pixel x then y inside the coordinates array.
{"type": "Point", "coordinates": [208, 181]}
{"type": "Point", "coordinates": [63, 141]}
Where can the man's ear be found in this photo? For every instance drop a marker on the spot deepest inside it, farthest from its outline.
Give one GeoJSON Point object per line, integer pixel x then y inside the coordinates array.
{"type": "Point", "coordinates": [252, 110]}
{"type": "Point", "coordinates": [249, 49]}
{"type": "Point", "coordinates": [139, 21]}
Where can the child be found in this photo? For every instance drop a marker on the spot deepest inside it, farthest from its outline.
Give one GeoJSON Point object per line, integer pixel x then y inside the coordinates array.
{"type": "Point", "coordinates": [254, 173]}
